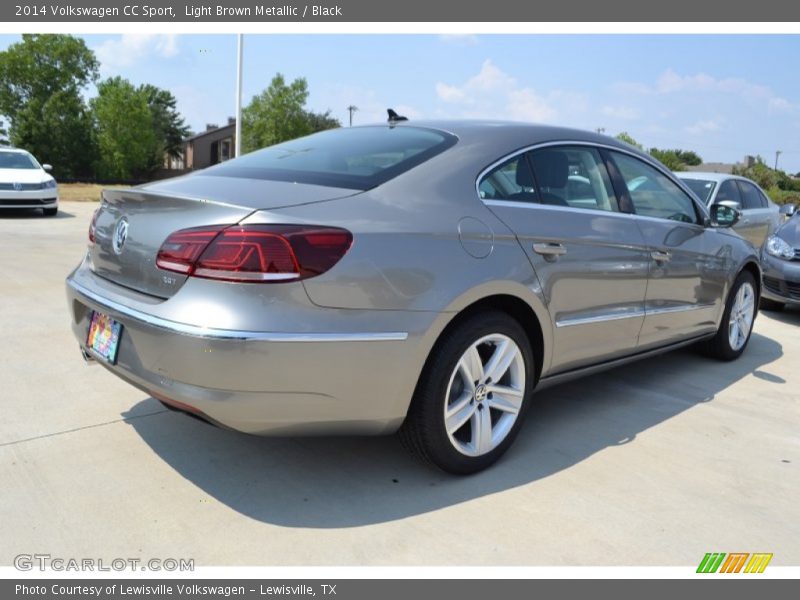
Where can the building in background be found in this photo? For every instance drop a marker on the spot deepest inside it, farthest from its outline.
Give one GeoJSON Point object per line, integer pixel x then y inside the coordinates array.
{"type": "Point", "coordinates": [214, 145]}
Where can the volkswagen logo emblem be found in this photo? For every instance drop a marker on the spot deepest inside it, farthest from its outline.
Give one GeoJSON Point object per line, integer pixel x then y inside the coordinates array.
{"type": "Point", "coordinates": [120, 235]}
{"type": "Point", "coordinates": [17, 187]}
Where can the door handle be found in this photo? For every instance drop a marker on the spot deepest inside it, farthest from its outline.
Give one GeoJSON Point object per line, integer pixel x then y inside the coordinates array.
{"type": "Point", "coordinates": [660, 256]}
{"type": "Point", "coordinates": [549, 250]}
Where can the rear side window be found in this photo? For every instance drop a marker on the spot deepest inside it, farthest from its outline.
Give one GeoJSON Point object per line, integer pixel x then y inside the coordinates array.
{"type": "Point", "coordinates": [355, 158]}
{"type": "Point", "coordinates": [512, 180]}
{"type": "Point", "coordinates": [653, 194]}
{"type": "Point", "coordinates": [751, 198]}
{"type": "Point", "coordinates": [573, 176]}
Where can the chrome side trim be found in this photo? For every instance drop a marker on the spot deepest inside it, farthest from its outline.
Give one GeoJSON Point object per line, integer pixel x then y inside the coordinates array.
{"type": "Point", "coordinates": [646, 312]}
{"type": "Point", "coordinates": [231, 334]}
{"type": "Point", "coordinates": [676, 309]}
{"type": "Point", "coordinates": [569, 322]}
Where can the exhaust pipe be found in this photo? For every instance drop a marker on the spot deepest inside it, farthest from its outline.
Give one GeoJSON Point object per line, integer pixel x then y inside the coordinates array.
{"type": "Point", "coordinates": [87, 358]}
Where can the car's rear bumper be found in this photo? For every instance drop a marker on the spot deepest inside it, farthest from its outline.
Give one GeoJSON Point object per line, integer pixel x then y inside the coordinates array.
{"type": "Point", "coordinates": [257, 381]}
{"type": "Point", "coordinates": [781, 279]}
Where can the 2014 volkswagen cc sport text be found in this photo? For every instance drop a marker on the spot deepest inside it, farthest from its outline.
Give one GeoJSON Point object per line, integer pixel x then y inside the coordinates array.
{"type": "Point", "coordinates": [421, 277]}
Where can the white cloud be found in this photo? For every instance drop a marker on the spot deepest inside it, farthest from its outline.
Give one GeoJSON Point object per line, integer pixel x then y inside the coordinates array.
{"type": "Point", "coordinates": [128, 49]}
{"type": "Point", "coordinates": [671, 82]}
{"type": "Point", "coordinates": [493, 93]}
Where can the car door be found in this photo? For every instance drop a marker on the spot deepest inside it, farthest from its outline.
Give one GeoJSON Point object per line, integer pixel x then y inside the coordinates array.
{"type": "Point", "coordinates": [589, 257]}
{"type": "Point", "coordinates": [756, 218]}
{"type": "Point", "coordinates": [687, 277]}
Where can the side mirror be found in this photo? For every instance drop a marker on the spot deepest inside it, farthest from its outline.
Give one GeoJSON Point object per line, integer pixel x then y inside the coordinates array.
{"type": "Point", "coordinates": [725, 215]}
{"type": "Point", "coordinates": [788, 210]}
{"type": "Point", "coordinates": [47, 167]}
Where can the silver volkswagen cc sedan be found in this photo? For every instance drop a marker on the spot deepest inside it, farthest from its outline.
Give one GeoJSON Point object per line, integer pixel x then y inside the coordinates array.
{"type": "Point", "coordinates": [421, 277]}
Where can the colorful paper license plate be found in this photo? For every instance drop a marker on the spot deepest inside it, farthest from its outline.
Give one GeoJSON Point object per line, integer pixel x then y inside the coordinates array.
{"type": "Point", "coordinates": [104, 334]}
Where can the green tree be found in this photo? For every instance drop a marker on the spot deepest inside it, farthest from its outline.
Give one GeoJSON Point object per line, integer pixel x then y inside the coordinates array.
{"type": "Point", "coordinates": [41, 74]}
{"type": "Point", "coordinates": [669, 158]}
{"type": "Point", "coordinates": [169, 126]}
{"type": "Point", "coordinates": [277, 114]}
{"type": "Point", "coordinates": [126, 136]}
{"type": "Point", "coordinates": [628, 139]}
{"type": "Point", "coordinates": [759, 172]}
{"type": "Point", "coordinates": [3, 135]}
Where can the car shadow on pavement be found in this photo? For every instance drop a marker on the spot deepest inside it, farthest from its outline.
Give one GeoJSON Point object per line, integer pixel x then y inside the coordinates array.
{"type": "Point", "coordinates": [350, 482]}
{"type": "Point", "coordinates": [789, 315]}
{"type": "Point", "coordinates": [32, 213]}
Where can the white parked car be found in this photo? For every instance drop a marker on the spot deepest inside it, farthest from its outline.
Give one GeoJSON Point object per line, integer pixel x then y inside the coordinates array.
{"type": "Point", "coordinates": [24, 183]}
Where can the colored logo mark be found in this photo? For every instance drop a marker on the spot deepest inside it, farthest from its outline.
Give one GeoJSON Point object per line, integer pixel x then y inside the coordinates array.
{"type": "Point", "coordinates": [734, 562]}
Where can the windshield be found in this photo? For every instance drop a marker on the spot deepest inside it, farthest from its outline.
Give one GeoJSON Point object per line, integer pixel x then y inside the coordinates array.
{"type": "Point", "coordinates": [355, 158]}
{"type": "Point", "coordinates": [17, 160]}
{"type": "Point", "coordinates": [703, 188]}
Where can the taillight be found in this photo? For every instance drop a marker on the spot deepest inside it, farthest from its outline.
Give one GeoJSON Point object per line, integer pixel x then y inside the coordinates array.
{"type": "Point", "coordinates": [93, 226]}
{"type": "Point", "coordinates": [256, 253]}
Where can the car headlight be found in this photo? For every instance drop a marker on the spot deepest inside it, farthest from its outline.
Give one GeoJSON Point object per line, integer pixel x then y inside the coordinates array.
{"type": "Point", "coordinates": [49, 184]}
{"type": "Point", "coordinates": [778, 247]}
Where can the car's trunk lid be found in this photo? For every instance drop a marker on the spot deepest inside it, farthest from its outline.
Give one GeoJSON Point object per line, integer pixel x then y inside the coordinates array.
{"type": "Point", "coordinates": [132, 224]}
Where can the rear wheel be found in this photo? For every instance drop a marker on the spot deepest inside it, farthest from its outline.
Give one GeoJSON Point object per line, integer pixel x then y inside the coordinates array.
{"type": "Point", "coordinates": [50, 212]}
{"type": "Point", "coordinates": [766, 304]}
{"type": "Point", "coordinates": [472, 396]}
{"type": "Point", "coordinates": [737, 320]}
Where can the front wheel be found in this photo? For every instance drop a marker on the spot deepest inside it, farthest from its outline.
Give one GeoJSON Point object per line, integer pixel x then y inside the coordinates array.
{"type": "Point", "coordinates": [737, 320]}
{"type": "Point", "coordinates": [50, 212]}
{"type": "Point", "coordinates": [472, 396]}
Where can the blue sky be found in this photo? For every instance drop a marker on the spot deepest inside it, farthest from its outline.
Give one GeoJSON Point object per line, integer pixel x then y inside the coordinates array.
{"type": "Point", "coordinates": [723, 96]}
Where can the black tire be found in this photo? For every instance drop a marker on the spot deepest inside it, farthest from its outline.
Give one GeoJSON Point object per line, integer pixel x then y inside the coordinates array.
{"type": "Point", "coordinates": [719, 346]}
{"type": "Point", "coordinates": [766, 304]}
{"type": "Point", "coordinates": [424, 432]}
{"type": "Point", "coordinates": [50, 212]}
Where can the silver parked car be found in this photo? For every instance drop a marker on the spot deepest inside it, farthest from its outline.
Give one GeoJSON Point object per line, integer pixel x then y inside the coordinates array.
{"type": "Point", "coordinates": [760, 216]}
{"type": "Point", "coordinates": [422, 277]}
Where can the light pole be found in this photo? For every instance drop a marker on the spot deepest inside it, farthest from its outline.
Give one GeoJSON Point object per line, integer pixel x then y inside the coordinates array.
{"type": "Point", "coordinates": [351, 109]}
{"type": "Point", "coordinates": [777, 154]}
{"type": "Point", "coordinates": [238, 135]}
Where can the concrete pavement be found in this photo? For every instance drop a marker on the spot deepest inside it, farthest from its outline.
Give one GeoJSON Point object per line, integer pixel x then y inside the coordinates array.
{"type": "Point", "coordinates": [651, 464]}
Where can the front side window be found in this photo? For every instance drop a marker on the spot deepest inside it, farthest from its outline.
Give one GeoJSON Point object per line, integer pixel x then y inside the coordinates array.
{"type": "Point", "coordinates": [728, 192]}
{"type": "Point", "coordinates": [652, 193]}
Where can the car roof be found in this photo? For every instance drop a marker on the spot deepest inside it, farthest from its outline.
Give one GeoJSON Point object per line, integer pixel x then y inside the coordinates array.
{"type": "Point", "coordinates": [510, 133]}
{"type": "Point", "coordinates": [708, 175]}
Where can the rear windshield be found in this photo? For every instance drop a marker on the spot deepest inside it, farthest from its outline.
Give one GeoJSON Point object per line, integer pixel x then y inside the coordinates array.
{"type": "Point", "coordinates": [701, 187]}
{"type": "Point", "coordinates": [17, 160]}
{"type": "Point", "coordinates": [354, 158]}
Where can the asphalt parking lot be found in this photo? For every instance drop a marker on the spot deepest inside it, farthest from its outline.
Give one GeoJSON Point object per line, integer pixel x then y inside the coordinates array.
{"type": "Point", "coordinates": [651, 464]}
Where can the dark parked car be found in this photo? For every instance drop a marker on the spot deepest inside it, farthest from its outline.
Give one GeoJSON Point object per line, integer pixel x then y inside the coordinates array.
{"type": "Point", "coordinates": [780, 260]}
{"type": "Point", "coordinates": [421, 277]}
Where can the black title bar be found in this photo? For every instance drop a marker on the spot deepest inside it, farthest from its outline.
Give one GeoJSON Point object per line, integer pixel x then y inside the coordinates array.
{"type": "Point", "coordinates": [343, 11]}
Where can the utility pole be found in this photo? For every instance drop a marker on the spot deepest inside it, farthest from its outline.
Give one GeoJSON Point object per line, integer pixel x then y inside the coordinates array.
{"type": "Point", "coordinates": [238, 134]}
{"type": "Point", "coordinates": [351, 109]}
{"type": "Point", "coordinates": [777, 154]}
